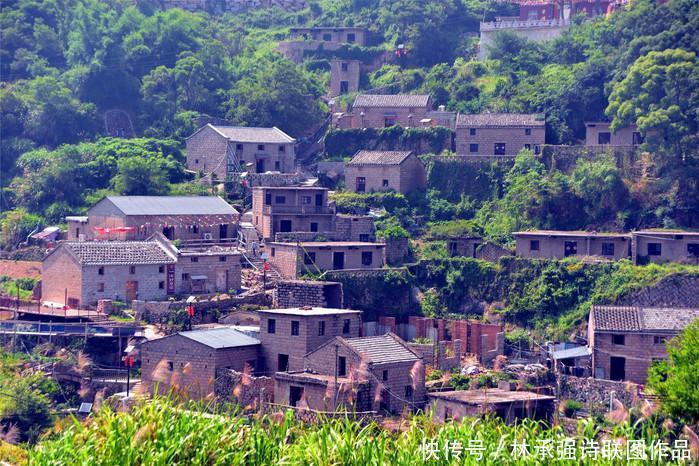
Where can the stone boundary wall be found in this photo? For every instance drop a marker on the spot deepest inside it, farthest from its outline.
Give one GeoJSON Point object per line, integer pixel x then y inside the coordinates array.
{"type": "Point", "coordinates": [156, 311]}
{"type": "Point", "coordinates": [309, 416]}
{"type": "Point", "coordinates": [679, 290]}
{"type": "Point", "coordinates": [299, 293]}
{"type": "Point", "coordinates": [245, 390]}
{"type": "Point", "coordinates": [397, 250]}
{"type": "Point", "coordinates": [595, 393]}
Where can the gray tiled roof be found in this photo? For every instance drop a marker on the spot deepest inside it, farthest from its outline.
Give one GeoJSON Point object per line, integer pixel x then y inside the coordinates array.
{"type": "Point", "coordinates": [271, 135]}
{"type": "Point", "coordinates": [382, 349]}
{"type": "Point", "coordinates": [172, 205]}
{"type": "Point", "coordinates": [391, 100]}
{"type": "Point", "coordinates": [379, 157]}
{"type": "Point", "coordinates": [499, 120]}
{"type": "Point", "coordinates": [118, 252]}
{"type": "Point", "coordinates": [636, 319]}
{"type": "Point", "coordinates": [224, 337]}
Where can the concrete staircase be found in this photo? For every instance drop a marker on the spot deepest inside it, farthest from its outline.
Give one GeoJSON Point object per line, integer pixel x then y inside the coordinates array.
{"type": "Point", "coordinates": [257, 263]}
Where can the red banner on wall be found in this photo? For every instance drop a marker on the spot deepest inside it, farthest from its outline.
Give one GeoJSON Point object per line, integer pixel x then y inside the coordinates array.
{"type": "Point", "coordinates": [171, 279]}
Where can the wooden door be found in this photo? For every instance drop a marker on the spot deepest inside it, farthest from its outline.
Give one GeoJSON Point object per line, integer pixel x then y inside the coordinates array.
{"type": "Point", "coordinates": [131, 290]}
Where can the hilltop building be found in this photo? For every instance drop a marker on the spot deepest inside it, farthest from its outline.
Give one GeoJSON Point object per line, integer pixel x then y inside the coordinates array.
{"type": "Point", "coordinates": [499, 134]}
{"type": "Point", "coordinates": [400, 171]}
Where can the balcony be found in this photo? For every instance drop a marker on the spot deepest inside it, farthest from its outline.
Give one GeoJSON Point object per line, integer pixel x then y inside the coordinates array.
{"type": "Point", "coordinates": [304, 209]}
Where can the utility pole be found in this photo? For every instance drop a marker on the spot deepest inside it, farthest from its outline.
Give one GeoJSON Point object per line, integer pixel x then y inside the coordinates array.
{"type": "Point", "coordinates": [128, 363]}
{"type": "Point", "coordinates": [335, 389]}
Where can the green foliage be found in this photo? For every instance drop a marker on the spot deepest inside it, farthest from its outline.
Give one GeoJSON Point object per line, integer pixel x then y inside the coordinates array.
{"type": "Point", "coordinates": [349, 203]}
{"type": "Point", "coordinates": [676, 379]}
{"type": "Point", "coordinates": [434, 375]}
{"type": "Point", "coordinates": [393, 231]}
{"type": "Point", "coordinates": [386, 294]}
{"type": "Point", "coordinates": [15, 227]}
{"type": "Point", "coordinates": [346, 142]}
{"type": "Point", "coordinates": [451, 229]}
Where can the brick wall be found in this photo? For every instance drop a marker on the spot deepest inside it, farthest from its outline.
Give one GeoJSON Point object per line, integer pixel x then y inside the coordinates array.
{"type": "Point", "coordinates": [288, 258]}
{"type": "Point", "coordinates": [60, 276]}
{"type": "Point", "coordinates": [354, 228]}
{"type": "Point", "coordinates": [397, 250]}
{"type": "Point", "coordinates": [486, 138]}
{"type": "Point", "coordinates": [222, 276]}
{"type": "Point", "coordinates": [344, 70]}
{"type": "Point", "coordinates": [374, 117]}
{"type": "Point", "coordinates": [206, 152]}
{"type": "Point", "coordinates": [638, 352]}
{"type": "Point", "coordinates": [244, 390]}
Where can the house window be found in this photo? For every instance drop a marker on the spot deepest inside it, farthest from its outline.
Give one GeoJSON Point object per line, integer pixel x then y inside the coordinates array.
{"type": "Point", "coordinates": [659, 340]}
{"type": "Point", "coordinates": [499, 148]}
{"type": "Point", "coordinates": [527, 131]}
{"type": "Point", "coordinates": [295, 328]}
{"type": "Point", "coordinates": [534, 245]}
{"type": "Point", "coordinates": [170, 366]}
{"type": "Point", "coordinates": [528, 146]}
{"type": "Point", "coordinates": [344, 87]}
{"type": "Point", "coordinates": [260, 147]}
{"type": "Point", "coordinates": [238, 147]}
{"type": "Point", "coordinates": [194, 259]}
{"type": "Point", "coordinates": [196, 161]}
{"type": "Point", "coordinates": [100, 287]}
{"type": "Point", "coordinates": [618, 339]}
{"type": "Point", "coordinates": [472, 131]}
{"type": "Point", "coordinates": [185, 276]}
{"type": "Point", "coordinates": [389, 121]}
{"type": "Point", "coordinates": [637, 138]}
{"type": "Point", "coordinates": [277, 165]}
{"type": "Point", "coordinates": [132, 269]}
{"type": "Point", "coordinates": [271, 326]}
{"type": "Point", "coordinates": [341, 366]}
{"type": "Point", "coordinates": [364, 238]}
{"type": "Point", "coordinates": [280, 199]}
{"type": "Point", "coordinates": [693, 249]}
{"type": "Point", "coordinates": [161, 269]}
{"type": "Point", "coordinates": [327, 37]}
{"type": "Point", "coordinates": [655, 249]}
{"type": "Point", "coordinates": [473, 148]}
{"type": "Point", "coordinates": [222, 258]}
{"type": "Point", "coordinates": [344, 66]}
{"type": "Point", "coordinates": [604, 138]}
{"type": "Point", "coordinates": [408, 391]}
{"type": "Point", "coordinates": [361, 184]}
{"type": "Point", "coordinates": [309, 258]}
{"type": "Point", "coordinates": [351, 37]}
{"type": "Point", "coordinates": [306, 199]}
{"type": "Point", "coordinates": [367, 258]}
{"type": "Point", "coordinates": [384, 183]}
{"type": "Point", "coordinates": [100, 271]}
{"type": "Point", "coordinates": [570, 248]}
{"type": "Point", "coordinates": [384, 375]}
{"type": "Point", "coordinates": [161, 285]}
{"type": "Point", "coordinates": [346, 326]}
{"type": "Point", "coordinates": [282, 149]}
{"type": "Point", "coordinates": [321, 328]}
{"type": "Point", "coordinates": [607, 249]}
{"type": "Point", "coordinates": [314, 226]}
{"type": "Point", "coordinates": [268, 199]}
{"type": "Point", "coordinates": [537, 149]}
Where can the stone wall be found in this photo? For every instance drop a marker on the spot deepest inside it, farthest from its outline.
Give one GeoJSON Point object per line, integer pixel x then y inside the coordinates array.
{"type": "Point", "coordinates": [222, 6]}
{"type": "Point", "coordinates": [300, 293]}
{"type": "Point", "coordinates": [595, 393]}
{"type": "Point", "coordinates": [483, 142]}
{"type": "Point", "coordinates": [245, 390]}
{"type": "Point", "coordinates": [679, 290]}
{"type": "Point", "coordinates": [160, 311]}
{"type": "Point", "coordinates": [397, 250]}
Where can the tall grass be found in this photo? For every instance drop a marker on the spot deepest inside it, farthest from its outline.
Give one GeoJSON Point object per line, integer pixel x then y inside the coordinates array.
{"type": "Point", "coordinates": [159, 433]}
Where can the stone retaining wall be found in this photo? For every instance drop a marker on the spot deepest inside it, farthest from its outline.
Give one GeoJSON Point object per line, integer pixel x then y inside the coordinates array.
{"type": "Point", "coordinates": [244, 390]}
{"type": "Point", "coordinates": [299, 293]}
{"type": "Point", "coordinates": [595, 393]}
{"type": "Point", "coordinates": [679, 290]}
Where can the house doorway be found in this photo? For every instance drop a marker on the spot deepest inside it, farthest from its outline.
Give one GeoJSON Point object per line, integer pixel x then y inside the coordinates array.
{"type": "Point", "coordinates": [499, 148]}
{"type": "Point", "coordinates": [260, 166]}
{"type": "Point", "coordinates": [361, 184]}
{"type": "Point", "coordinates": [285, 226]}
{"type": "Point", "coordinates": [617, 368]}
{"type": "Point", "coordinates": [338, 260]}
{"type": "Point", "coordinates": [319, 200]}
{"type": "Point", "coordinates": [384, 405]}
{"type": "Point", "coordinates": [169, 232]}
{"type": "Point", "coordinates": [570, 248]}
{"type": "Point", "coordinates": [223, 231]}
{"type": "Point", "coordinates": [283, 362]}
{"type": "Point", "coordinates": [131, 290]}
{"type": "Point", "coordinates": [295, 395]}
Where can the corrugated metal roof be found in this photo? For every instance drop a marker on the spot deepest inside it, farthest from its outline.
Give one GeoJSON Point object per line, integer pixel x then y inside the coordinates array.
{"type": "Point", "coordinates": [271, 135]}
{"type": "Point", "coordinates": [499, 120]}
{"type": "Point", "coordinates": [172, 205]}
{"type": "Point", "coordinates": [577, 352]}
{"type": "Point", "coordinates": [118, 252]}
{"type": "Point", "coordinates": [313, 311]}
{"type": "Point", "coordinates": [635, 319]}
{"type": "Point", "coordinates": [218, 338]}
{"type": "Point", "coordinates": [382, 349]}
{"type": "Point", "coordinates": [391, 100]}
{"type": "Point", "coordinates": [379, 157]}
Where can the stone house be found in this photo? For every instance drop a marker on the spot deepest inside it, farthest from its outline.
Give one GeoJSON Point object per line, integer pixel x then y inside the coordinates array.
{"type": "Point", "coordinates": [79, 273]}
{"type": "Point", "coordinates": [544, 244]}
{"type": "Point", "coordinates": [401, 171]}
{"type": "Point", "coordinates": [188, 361]}
{"type": "Point", "coordinates": [511, 406]}
{"type": "Point", "coordinates": [288, 209]}
{"type": "Point", "coordinates": [626, 340]}
{"type": "Point", "coordinates": [391, 375]}
{"type": "Point", "coordinates": [499, 133]}
{"type": "Point", "coordinates": [344, 76]}
{"type": "Point", "coordinates": [221, 151]}
{"type": "Point", "coordinates": [292, 260]}
{"type": "Point", "coordinates": [287, 335]}
{"type": "Point", "coordinates": [196, 219]}
{"type": "Point", "coordinates": [383, 111]}
{"type": "Point", "coordinates": [340, 35]}
{"type": "Point", "coordinates": [665, 246]}
{"type": "Point", "coordinates": [599, 133]}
